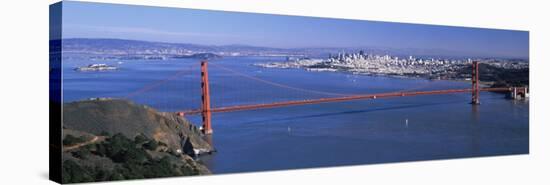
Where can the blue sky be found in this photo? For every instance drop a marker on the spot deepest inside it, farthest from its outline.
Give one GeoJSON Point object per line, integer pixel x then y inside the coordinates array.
{"type": "Point", "coordinates": [94, 20]}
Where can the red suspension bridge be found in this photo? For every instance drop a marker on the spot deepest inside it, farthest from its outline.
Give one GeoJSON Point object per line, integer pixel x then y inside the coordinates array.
{"type": "Point", "coordinates": [206, 109]}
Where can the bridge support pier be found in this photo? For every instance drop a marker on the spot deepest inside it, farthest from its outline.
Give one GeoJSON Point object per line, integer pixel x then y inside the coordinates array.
{"type": "Point", "coordinates": [475, 83]}
{"type": "Point", "coordinates": [205, 108]}
{"type": "Point", "coordinates": [518, 93]}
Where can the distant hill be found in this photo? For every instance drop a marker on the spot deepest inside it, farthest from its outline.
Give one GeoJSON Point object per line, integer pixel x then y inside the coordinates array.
{"type": "Point", "coordinates": [126, 47]}
{"type": "Point", "coordinates": [133, 47]}
{"type": "Point", "coordinates": [116, 139]}
{"type": "Point", "coordinates": [500, 77]}
{"type": "Point", "coordinates": [122, 44]}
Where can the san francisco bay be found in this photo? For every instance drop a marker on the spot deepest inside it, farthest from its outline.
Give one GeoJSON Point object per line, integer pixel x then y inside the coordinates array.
{"type": "Point", "coordinates": [329, 134]}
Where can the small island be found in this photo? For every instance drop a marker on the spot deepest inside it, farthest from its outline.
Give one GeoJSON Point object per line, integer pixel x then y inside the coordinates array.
{"type": "Point", "coordinates": [96, 67]}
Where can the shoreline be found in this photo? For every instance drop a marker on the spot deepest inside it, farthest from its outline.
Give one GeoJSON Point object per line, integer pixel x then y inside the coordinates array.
{"type": "Point", "coordinates": [374, 74]}
{"type": "Point", "coordinates": [392, 76]}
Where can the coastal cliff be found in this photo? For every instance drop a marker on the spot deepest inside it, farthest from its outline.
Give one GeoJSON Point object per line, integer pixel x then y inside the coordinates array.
{"type": "Point", "coordinates": [108, 139]}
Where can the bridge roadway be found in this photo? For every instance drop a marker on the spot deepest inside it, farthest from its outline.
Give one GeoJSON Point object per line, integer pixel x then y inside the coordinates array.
{"type": "Point", "coordinates": [339, 99]}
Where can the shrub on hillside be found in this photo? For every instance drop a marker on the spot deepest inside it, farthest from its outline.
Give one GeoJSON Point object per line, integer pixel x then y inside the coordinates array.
{"type": "Point", "coordinates": [131, 161]}
{"type": "Point", "coordinates": [151, 145]}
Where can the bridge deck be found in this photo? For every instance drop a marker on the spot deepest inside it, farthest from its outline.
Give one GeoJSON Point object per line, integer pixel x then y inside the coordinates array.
{"type": "Point", "coordinates": [339, 99]}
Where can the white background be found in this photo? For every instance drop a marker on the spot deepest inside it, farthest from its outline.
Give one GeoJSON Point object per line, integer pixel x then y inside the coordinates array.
{"type": "Point", "coordinates": [24, 91]}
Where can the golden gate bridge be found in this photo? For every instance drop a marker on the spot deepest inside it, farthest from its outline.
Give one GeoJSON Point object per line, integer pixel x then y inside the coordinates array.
{"type": "Point", "coordinates": [206, 109]}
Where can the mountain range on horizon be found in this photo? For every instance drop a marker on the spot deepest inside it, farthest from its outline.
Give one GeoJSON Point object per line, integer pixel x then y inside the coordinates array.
{"type": "Point", "coordinates": [128, 46]}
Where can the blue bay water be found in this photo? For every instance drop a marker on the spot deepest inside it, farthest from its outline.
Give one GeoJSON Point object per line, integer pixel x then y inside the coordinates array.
{"type": "Point", "coordinates": [319, 135]}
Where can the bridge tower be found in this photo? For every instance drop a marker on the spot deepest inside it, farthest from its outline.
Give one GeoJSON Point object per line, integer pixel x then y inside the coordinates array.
{"type": "Point", "coordinates": [475, 83]}
{"type": "Point", "coordinates": [205, 107]}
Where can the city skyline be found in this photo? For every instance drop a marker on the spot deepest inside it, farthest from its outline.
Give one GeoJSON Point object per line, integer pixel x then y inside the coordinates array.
{"type": "Point", "coordinates": [175, 25]}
